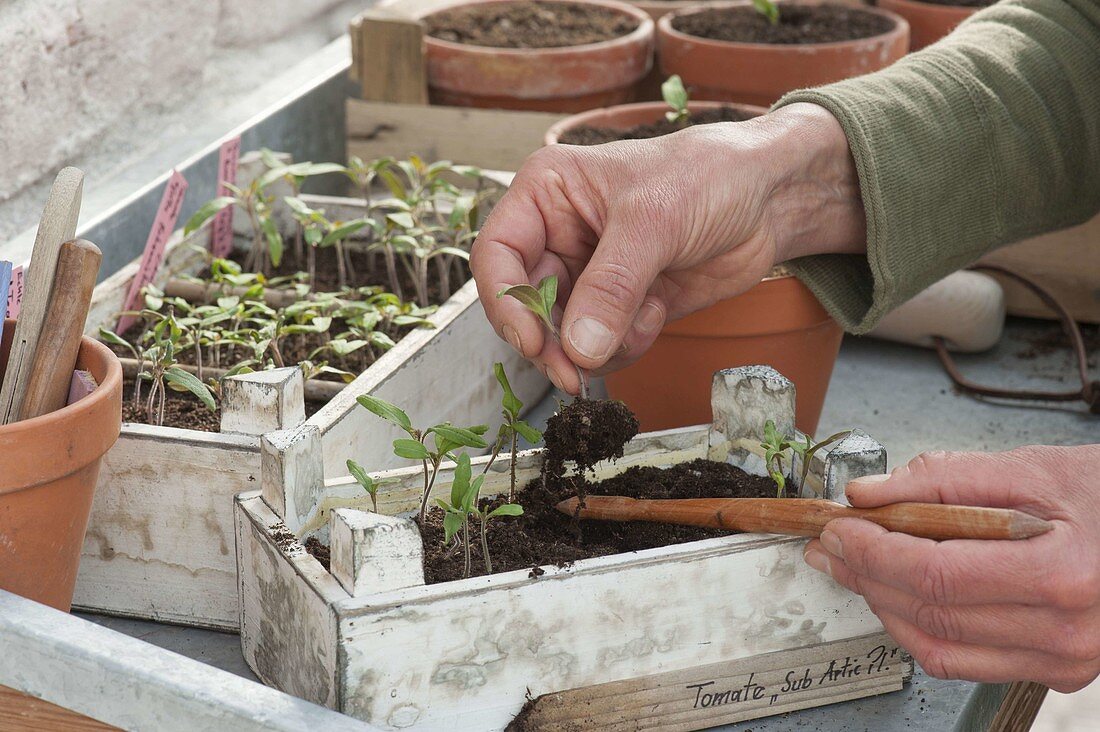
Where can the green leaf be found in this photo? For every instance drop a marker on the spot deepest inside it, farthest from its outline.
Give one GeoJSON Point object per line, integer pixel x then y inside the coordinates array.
{"type": "Point", "coordinates": [460, 483]}
{"type": "Point", "coordinates": [114, 339]}
{"type": "Point", "coordinates": [402, 219]}
{"type": "Point", "coordinates": [206, 212]}
{"type": "Point", "coordinates": [343, 232]}
{"type": "Point", "coordinates": [527, 432]}
{"type": "Point", "coordinates": [343, 347]}
{"type": "Point", "coordinates": [531, 298]}
{"type": "Point", "coordinates": [508, 509]}
{"type": "Point", "coordinates": [459, 435]}
{"type": "Point", "coordinates": [274, 240]}
{"type": "Point", "coordinates": [452, 524]}
{"type": "Point", "coordinates": [184, 381]}
{"type": "Point", "coordinates": [548, 289]}
{"type": "Point", "coordinates": [386, 411]}
{"type": "Point", "coordinates": [356, 470]}
{"type": "Point", "coordinates": [410, 449]}
{"type": "Point", "coordinates": [298, 206]}
{"type": "Point", "coordinates": [469, 500]}
{"type": "Point", "coordinates": [768, 9]}
{"type": "Point", "coordinates": [675, 95]}
{"type": "Point", "coordinates": [511, 402]}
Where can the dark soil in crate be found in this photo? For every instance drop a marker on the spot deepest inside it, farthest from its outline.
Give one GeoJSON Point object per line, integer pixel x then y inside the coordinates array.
{"type": "Point", "coordinates": [529, 25]}
{"type": "Point", "coordinates": [797, 24]}
{"type": "Point", "coordinates": [586, 135]}
{"type": "Point", "coordinates": [543, 535]}
{"type": "Point", "coordinates": [587, 431]}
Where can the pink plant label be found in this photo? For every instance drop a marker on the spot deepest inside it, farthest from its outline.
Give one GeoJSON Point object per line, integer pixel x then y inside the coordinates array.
{"type": "Point", "coordinates": [82, 385]}
{"type": "Point", "coordinates": [221, 232]}
{"type": "Point", "coordinates": [151, 258]}
{"type": "Point", "coordinates": [15, 293]}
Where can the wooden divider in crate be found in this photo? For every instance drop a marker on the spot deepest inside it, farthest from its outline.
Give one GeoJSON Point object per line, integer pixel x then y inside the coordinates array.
{"type": "Point", "coordinates": [680, 637]}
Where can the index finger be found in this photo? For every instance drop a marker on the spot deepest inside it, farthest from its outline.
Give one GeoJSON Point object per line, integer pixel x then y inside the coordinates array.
{"type": "Point", "coordinates": [956, 572]}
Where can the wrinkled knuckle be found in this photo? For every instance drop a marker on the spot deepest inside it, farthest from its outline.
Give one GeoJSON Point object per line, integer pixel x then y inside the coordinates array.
{"type": "Point", "coordinates": [1074, 589]}
{"type": "Point", "coordinates": [927, 464]}
{"type": "Point", "coordinates": [1077, 643]}
{"type": "Point", "coordinates": [938, 621]}
{"type": "Point", "coordinates": [614, 286]}
{"type": "Point", "coordinates": [938, 662]}
{"type": "Point", "coordinates": [934, 583]}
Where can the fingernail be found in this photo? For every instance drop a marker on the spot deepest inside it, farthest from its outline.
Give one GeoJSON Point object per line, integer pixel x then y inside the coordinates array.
{"type": "Point", "coordinates": [512, 337]}
{"type": "Point", "coordinates": [591, 338]}
{"type": "Point", "coordinates": [554, 379]}
{"type": "Point", "coordinates": [818, 561]}
{"type": "Point", "coordinates": [831, 542]}
{"type": "Point", "coordinates": [650, 318]}
{"type": "Point", "coordinates": [871, 479]}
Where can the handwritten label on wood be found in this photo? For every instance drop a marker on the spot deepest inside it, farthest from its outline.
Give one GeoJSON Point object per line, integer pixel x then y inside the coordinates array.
{"type": "Point", "coordinates": [221, 232]}
{"type": "Point", "coordinates": [15, 293]}
{"type": "Point", "coordinates": [151, 257]}
{"type": "Point", "coordinates": [723, 693]}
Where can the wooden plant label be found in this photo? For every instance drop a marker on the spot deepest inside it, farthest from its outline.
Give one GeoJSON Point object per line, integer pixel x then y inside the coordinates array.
{"type": "Point", "coordinates": [221, 231]}
{"type": "Point", "coordinates": [734, 691]}
{"type": "Point", "coordinates": [151, 257]}
{"type": "Point", "coordinates": [11, 290]}
{"type": "Point", "coordinates": [82, 385]}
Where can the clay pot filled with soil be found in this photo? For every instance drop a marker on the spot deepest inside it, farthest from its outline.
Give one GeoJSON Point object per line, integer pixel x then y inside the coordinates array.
{"type": "Point", "coordinates": [732, 52]}
{"type": "Point", "coordinates": [48, 471]}
{"type": "Point", "coordinates": [545, 55]}
{"type": "Point", "coordinates": [779, 322]}
{"type": "Point", "coordinates": [931, 20]}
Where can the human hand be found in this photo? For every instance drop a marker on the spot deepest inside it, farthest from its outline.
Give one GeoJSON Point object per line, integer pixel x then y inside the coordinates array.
{"type": "Point", "coordinates": [992, 611]}
{"type": "Point", "coordinates": [642, 232]}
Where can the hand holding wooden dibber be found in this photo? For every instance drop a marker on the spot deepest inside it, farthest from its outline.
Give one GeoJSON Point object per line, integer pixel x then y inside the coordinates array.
{"type": "Point", "coordinates": [51, 370]}
{"type": "Point", "coordinates": [808, 516]}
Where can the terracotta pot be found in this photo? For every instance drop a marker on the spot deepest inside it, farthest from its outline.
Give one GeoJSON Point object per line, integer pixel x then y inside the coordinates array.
{"type": "Point", "coordinates": [760, 73]}
{"type": "Point", "coordinates": [779, 323]}
{"type": "Point", "coordinates": [625, 116]}
{"type": "Point", "coordinates": [928, 22]}
{"type": "Point", "coordinates": [569, 79]}
{"type": "Point", "coordinates": [48, 471]}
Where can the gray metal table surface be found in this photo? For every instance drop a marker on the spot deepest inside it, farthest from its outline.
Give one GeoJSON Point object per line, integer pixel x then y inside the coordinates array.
{"type": "Point", "coordinates": [900, 395]}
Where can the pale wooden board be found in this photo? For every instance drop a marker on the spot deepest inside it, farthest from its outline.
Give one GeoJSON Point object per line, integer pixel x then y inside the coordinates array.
{"type": "Point", "coordinates": [160, 538]}
{"type": "Point", "coordinates": [486, 641]}
{"type": "Point", "coordinates": [1067, 262]}
{"type": "Point", "coordinates": [731, 691]}
{"type": "Point", "coordinates": [389, 58]}
{"type": "Point", "coordinates": [126, 682]}
{"type": "Point", "coordinates": [19, 711]}
{"type": "Point", "coordinates": [498, 139]}
{"type": "Point", "coordinates": [288, 630]}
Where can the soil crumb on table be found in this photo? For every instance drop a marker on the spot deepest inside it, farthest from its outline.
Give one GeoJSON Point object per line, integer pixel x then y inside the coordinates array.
{"type": "Point", "coordinates": [797, 24]}
{"type": "Point", "coordinates": [526, 24]}
{"type": "Point", "coordinates": [543, 535]}
{"type": "Point", "coordinates": [586, 135]}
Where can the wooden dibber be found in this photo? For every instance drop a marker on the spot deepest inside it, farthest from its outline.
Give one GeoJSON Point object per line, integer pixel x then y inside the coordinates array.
{"type": "Point", "coordinates": [52, 364]}
{"type": "Point", "coordinates": [807, 516]}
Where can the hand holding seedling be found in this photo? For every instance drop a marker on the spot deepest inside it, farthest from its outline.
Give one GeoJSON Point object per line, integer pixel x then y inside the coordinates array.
{"type": "Point", "coordinates": [987, 611]}
{"type": "Point", "coordinates": [642, 232]}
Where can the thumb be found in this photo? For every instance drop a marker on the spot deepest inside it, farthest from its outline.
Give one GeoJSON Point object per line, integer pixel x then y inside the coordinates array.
{"type": "Point", "coordinates": [961, 478]}
{"type": "Point", "coordinates": [608, 295]}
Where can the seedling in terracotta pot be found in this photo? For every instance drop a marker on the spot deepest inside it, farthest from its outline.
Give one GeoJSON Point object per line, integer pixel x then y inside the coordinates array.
{"type": "Point", "coordinates": [768, 9]}
{"type": "Point", "coordinates": [446, 437]}
{"type": "Point", "coordinates": [676, 97]}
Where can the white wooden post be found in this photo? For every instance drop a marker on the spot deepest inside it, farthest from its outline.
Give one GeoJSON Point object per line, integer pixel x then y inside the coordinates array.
{"type": "Point", "coordinates": [373, 553]}
{"type": "Point", "coordinates": [292, 472]}
{"type": "Point", "coordinates": [263, 401]}
{"type": "Point", "coordinates": [743, 400]}
{"type": "Point", "coordinates": [856, 455]}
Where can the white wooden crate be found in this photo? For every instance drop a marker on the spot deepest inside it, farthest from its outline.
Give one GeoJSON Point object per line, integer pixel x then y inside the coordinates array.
{"type": "Point", "coordinates": [659, 639]}
{"type": "Point", "coordinates": [160, 537]}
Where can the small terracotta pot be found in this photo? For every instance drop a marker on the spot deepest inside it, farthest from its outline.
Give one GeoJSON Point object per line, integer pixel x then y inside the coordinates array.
{"type": "Point", "coordinates": [568, 79]}
{"type": "Point", "coordinates": [625, 116]}
{"type": "Point", "coordinates": [760, 73]}
{"type": "Point", "coordinates": [928, 22]}
{"type": "Point", "coordinates": [779, 323]}
{"type": "Point", "coordinates": [48, 471]}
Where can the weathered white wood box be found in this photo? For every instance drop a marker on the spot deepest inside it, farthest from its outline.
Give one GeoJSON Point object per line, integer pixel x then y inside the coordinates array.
{"type": "Point", "coordinates": [676, 638]}
{"type": "Point", "coordinates": [160, 538]}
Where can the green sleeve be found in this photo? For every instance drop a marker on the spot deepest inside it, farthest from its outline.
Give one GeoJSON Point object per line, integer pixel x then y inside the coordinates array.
{"type": "Point", "coordinates": [985, 138]}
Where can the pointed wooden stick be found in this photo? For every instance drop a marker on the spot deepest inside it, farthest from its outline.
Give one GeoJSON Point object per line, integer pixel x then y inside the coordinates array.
{"type": "Point", "coordinates": [807, 517]}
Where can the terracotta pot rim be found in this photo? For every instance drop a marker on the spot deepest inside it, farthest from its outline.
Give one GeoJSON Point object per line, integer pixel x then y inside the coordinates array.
{"type": "Point", "coordinates": [646, 29]}
{"type": "Point", "coordinates": [583, 118]}
{"type": "Point", "coordinates": [664, 27]}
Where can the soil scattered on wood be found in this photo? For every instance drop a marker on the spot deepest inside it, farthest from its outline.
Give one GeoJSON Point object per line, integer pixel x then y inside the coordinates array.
{"type": "Point", "coordinates": [587, 431]}
{"type": "Point", "coordinates": [319, 551]}
{"type": "Point", "coordinates": [529, 24]}
{"type": "Point", "coordinates": [586, 135]}
{"type": "Point", "coordinates": [797, 24]}
{"type": "Point", "coordinates": [543, 535]}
